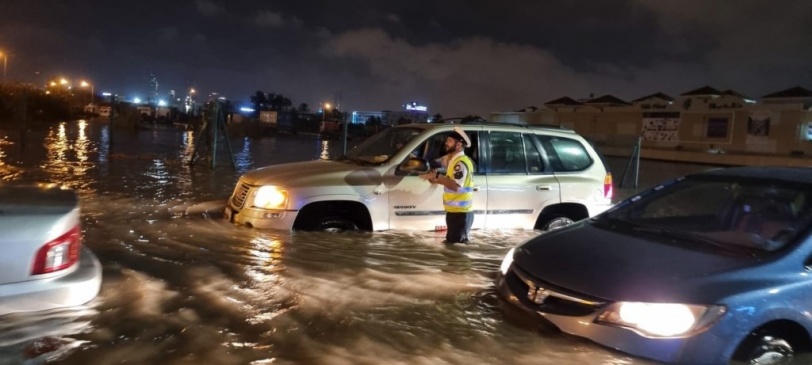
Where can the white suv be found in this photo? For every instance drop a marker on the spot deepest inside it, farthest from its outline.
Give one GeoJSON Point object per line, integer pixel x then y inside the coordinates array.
{"type": "Point", "coordinates": [526, 177]}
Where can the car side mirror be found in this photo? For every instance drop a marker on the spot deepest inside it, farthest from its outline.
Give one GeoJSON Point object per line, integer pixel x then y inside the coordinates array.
{"type": "Point", "coordinates": [414, 166]}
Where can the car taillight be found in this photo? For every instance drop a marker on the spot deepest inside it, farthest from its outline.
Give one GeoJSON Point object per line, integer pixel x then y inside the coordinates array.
{"type": "Point", "coordinates": [608, 189]}
{"type": "Point", "coordinates": [58, 254]}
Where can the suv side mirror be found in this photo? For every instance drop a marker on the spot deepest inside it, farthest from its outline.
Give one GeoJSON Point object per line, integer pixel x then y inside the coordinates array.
{"type": "Point", "coordinates": [414, 166]}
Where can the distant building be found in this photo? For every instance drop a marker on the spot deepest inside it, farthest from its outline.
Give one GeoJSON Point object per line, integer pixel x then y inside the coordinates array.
{"type": "Point", "coordinates": [92, 108]}
{"type": "Point", "coordinates": [144, 111]}
{"type": "Point", "coordinates": [104, 110]}
{"type": "Point", "coordinates": [779, 125]}
{"type": "Point", "coordinates": [657, 100]}
{"type": "Point", "coordinates": [410, 113]}
{"type": "Point", "coordinates": [361, 117]}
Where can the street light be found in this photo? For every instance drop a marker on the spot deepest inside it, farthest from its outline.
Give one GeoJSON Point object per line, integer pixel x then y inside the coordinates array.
{"type": "Point", "coordinates": [5, 65]}
{"type": "Point", "coordinates": [190, 101]}
{"type": "Point", "coordinates": [86, 84]}
{"type": "Point", "coordinates": [324, 112]}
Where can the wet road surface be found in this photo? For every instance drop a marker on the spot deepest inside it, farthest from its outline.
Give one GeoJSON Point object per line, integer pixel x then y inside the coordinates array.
{"type": "Point", "coordinates": [182, 286]}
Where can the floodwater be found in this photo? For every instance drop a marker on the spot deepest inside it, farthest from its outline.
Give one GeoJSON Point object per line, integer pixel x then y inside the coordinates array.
{"type": "Point", "coordinates": [182, 286]}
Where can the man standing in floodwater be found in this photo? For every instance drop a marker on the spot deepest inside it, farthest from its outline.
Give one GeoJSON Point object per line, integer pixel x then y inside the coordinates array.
{"type": "Point", "coordinates": [458, 184]}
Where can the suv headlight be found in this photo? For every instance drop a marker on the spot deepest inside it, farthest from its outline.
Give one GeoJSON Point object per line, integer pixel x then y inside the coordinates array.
{"type": "Point", "coordinates": [662, 319]}
{"type": "Point", "coordinates": [271, 197]}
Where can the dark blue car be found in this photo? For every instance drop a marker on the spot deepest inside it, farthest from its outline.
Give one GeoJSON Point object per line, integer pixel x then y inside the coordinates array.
{"type": "Point", "coordinates": [709, 268]}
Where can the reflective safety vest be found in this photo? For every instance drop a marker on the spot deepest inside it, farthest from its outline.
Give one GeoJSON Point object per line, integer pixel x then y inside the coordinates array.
{"type": "Point", "coordinates": [462, 200]}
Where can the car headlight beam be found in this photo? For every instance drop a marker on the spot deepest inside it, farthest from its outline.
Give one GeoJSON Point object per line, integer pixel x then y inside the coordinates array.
{"type": "Point", "coordinates": [661, 319]}
{"type": "Point", "coordinates": [271, 197]}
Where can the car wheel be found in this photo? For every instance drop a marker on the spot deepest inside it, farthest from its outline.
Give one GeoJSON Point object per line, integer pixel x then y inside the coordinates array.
{"type": "Point", "coordinates": [334, 224]}
{"type": "Point", "coordinates": [556, 223]}
{"type": "Point", "coordinates": [764, 349]}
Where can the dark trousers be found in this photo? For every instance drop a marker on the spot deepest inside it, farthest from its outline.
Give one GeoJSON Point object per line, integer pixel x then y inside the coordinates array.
{"type": "Point", "coordinates": [459, 226]}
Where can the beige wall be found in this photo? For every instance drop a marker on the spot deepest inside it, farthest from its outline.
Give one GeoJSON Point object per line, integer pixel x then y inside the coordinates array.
{"type": "Point", "coordinates": [620, 126]}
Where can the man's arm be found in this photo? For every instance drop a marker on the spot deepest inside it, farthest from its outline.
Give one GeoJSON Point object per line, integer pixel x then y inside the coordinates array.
{"type": "Point", "coordinates": [445, 181]}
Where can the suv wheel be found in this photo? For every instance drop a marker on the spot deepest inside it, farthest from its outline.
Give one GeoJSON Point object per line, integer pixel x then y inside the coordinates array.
{"type": "Point", "coordinates": [333, 224]}
{"type": "Point", "coordinates": [556, 223]}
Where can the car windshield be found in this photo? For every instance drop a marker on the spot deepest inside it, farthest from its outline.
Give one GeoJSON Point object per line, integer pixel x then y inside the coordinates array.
{"type": "Point", "coordinates": [381, 146]}
{"type": "Point", "coordinates": [722, 213]}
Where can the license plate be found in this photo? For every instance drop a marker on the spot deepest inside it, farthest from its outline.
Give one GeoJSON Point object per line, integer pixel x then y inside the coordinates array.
{"type": "Point", "coordinates": [228, 214]}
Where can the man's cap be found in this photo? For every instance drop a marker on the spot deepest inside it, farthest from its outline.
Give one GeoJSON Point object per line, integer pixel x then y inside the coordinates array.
{"type": "Point", "coordinates": [460, 135]}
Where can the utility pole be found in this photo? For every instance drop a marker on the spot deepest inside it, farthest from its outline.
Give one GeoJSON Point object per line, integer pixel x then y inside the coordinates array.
{"type": "Point", "coordinates": [5, 65]}
{"type": "Point", "coordinates": [110, 128]}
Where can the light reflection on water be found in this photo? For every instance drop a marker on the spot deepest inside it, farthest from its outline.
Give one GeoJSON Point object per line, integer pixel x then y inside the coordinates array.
{"type": "Point", "coordinates": [183, 286]}
{"type": "Point", "coordinates": [7, 170]}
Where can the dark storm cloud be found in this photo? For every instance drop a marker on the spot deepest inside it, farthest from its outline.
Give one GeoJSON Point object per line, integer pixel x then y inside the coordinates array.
{"type": "Point", "coordinates": [457, 56]}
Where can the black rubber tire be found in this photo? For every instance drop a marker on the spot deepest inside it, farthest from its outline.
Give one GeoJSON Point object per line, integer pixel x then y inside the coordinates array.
{"type": "Point", "coordinates": [764, 349]}
{"type": "Point", "coordinates": [333, 224]}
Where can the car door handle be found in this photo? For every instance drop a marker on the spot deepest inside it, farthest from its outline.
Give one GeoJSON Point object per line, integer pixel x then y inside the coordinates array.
{"type": "Point", "coordinates": [475, 188]}
{"type": "Point", "coordinates": [544, 187]}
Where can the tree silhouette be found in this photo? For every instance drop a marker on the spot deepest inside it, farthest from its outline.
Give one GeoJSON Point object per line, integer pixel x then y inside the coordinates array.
{"type": "Point", "coordinates": [272, 101]}
{"type": "Point", "coordinates": [260, 102]}
{"type": "Point", "coordinates": [374, 121]}
{"type": "Point", "coordinates": [471, 118]}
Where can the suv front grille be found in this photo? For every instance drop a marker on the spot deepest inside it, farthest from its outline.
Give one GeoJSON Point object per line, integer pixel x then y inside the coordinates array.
{"type": "Point", "coordinates": [240, 193]}
{"type": "Point", "coordinates": [556, 300]}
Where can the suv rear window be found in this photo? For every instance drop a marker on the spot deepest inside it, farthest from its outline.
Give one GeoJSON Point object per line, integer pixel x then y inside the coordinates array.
{"type": "Point", "coordinates": [566, 154]}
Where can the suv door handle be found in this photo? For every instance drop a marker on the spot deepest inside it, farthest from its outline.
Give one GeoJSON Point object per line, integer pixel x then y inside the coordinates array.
{"type": "Point", "coordinates": [475, 188]}
{"type": "Point", "coordinates": [544, 187]}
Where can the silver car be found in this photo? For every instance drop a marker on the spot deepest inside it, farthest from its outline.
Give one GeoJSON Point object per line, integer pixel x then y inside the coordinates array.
{"type": "Point", "coordinates": [43, 264]}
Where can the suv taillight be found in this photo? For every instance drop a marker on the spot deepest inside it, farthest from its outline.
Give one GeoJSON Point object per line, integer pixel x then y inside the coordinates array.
{"type": "Point", "coordinates": [58, 254]}
{"type": "Point", "coordinates": [608, 189]}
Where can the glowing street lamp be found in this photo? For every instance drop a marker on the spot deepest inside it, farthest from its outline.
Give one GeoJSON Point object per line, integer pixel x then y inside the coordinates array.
{"type": "Point", "coordinates": [86, 84]}
{"type": "Point", "coordinates": [63, 81]}
{"type": "Point", "coordinates": [190, 101]}
{"type": "Point", "coordinates": [324, 112]}
{"type": "Point", "coordinates": [5, 65]}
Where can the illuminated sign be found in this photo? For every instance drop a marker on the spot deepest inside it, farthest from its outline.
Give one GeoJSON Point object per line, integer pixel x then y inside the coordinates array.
{"type": "Point", "coordinates": [415, 106]}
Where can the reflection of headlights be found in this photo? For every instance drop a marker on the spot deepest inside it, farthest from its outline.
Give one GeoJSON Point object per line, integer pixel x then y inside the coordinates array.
{"type": "Point", "coordinates": [661, 319]}
{"type": "Point", "coordinates": [271, 197]}
{"type": "Point", "coordinates": [507, 261]}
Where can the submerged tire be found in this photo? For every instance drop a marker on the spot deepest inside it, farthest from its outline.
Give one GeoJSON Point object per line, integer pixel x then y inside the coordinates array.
{"type": "Point", "coordinates": [334, 224]}
{"type": "Point", "coordinates": [556, 223]}
{"type": "Point", "coordinates": [764, 349]}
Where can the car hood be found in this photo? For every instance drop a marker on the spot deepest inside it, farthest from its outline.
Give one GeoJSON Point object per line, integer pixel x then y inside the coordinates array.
{"type": "Point", "coordinates": [314, 173]}
{"type": "Point", "coordinates": [616, 265]}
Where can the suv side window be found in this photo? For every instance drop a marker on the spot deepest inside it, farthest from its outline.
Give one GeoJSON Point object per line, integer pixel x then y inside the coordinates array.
{"type": "Point", "coordinates": [565, 154]}
{"type": "Point", "coordinates": [507, 153]}
{"type": "Point", "coordinates": [434, 148]}
{"type": "Point", "coordinates": [535, 162]}
{"type": "Point", "coordinates": [473, 151]}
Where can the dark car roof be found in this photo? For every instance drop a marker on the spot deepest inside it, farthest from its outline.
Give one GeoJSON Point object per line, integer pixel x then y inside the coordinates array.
{"type": "Point", "coordinates": [790, 174]}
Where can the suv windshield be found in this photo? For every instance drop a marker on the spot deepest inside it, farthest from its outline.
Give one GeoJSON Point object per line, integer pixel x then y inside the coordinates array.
{"type": "Point", "coordinates": [379, 147]}
{"type": "Point", "coordinates": [759, 215]}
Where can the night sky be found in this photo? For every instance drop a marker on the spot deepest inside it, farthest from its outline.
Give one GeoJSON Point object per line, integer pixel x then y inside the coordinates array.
{"type": "Point", "coordinates": [458, 57]}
